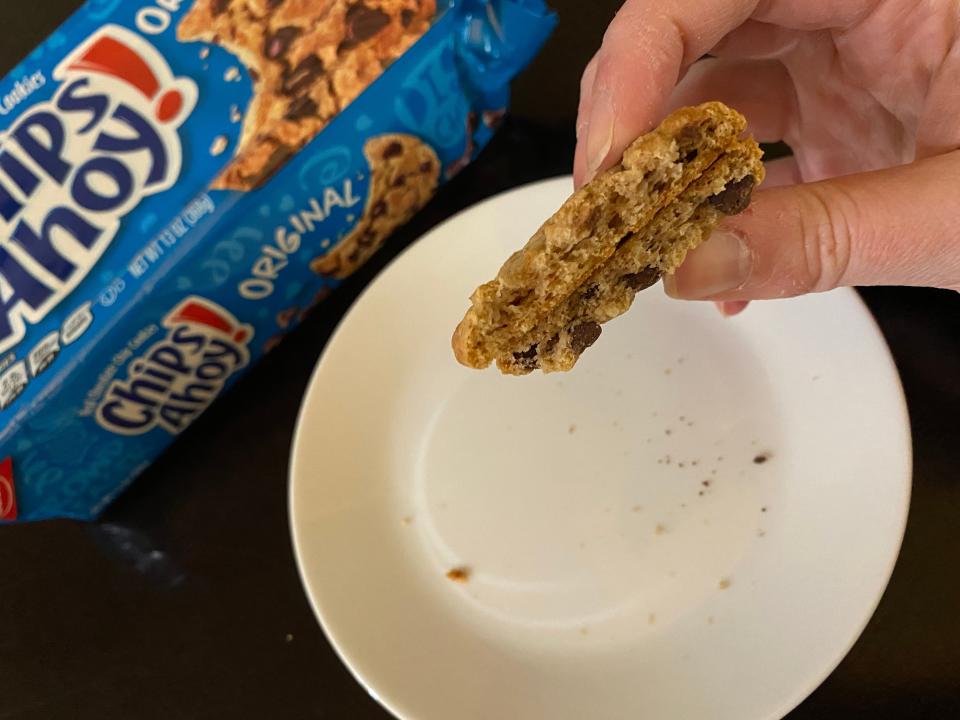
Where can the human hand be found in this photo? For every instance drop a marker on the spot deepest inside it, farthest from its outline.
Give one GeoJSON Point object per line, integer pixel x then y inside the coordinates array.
{"type": "Point", "coordinates": [865, 92]}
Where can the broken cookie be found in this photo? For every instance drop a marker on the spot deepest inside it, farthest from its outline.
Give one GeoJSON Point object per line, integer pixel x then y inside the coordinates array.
{"type": "Point", "coordinates": [614, 237]}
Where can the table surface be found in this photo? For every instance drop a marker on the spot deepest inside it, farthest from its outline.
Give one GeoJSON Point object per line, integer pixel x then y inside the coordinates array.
{"type": "Point", "coordinates": [184, 600]}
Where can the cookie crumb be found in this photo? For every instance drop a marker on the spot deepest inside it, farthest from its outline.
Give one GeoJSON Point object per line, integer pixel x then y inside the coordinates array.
{"type": "Point", "coordinates": [761, 458]}
{"type": "Point", "coordinates": [705, 483]}
{"type": "Point", "coordinates": [683, 419]}
{"type": "Point", "coordinates": [408, 519]}
{"type": "Point", "coordinates": [583, 545]}
{"type": "Point", "coordinates": [459, 574]}
{"type": "Point", "coordinates": [584, 631]}
{"type": "Point", "coordinates": [761, 533]}
{"type": "Point", "coordinates": [815, 378]}
{"type": "Point", "coordinates": [700, 493]}
{"type": "Point", "coordinates": [651, 619]}
{"type": "Point", "coordinates": [709, 619]}
{"type": "Point", "coordinates": [289, 637]}
{"type": "Point", "coordinates": [719, 458]}
{"type": "Point", "coordinates": [680, 464]}
{"type": "Point", "coordinates": [572, 429]}
{"type": "Point", "coordinates": [667, 371]}
{"type": "Point", "coordinates": [724, 584]}
{"type": "Point", "coordinates": [680, 360]}
{"type": "Point", "coordinates": [668, 431]}
{"type": "Point", "coordinates": [637, 508]}
{"type": "Point", "coordinates": [219, 145]}
{"type": "Point", "coordinates": [763, 509]}
{"type": "Point", "coordinates": [659, 529]}
{"type": "Point", "coordinates": [694, 463]}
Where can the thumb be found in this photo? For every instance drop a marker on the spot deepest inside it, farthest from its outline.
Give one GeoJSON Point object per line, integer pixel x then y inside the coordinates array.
{"type": "Point", "coordinates": [890, 227]}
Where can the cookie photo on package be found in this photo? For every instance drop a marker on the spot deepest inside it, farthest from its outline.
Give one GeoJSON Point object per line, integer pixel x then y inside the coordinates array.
{"type": "Point", "coordinates": [182, 182]}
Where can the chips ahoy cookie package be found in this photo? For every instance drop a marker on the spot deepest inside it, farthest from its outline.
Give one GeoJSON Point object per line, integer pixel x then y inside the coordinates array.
{"type": "Point", "coordinates": [182, 180]}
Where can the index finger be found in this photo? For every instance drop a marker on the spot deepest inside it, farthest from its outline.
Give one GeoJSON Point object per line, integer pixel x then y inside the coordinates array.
{"type": "Point", "coordinates": [648, 45]}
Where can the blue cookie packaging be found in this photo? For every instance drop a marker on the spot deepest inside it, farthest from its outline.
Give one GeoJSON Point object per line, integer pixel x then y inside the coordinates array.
{"type": "Point", "coordinates": [182, 180]}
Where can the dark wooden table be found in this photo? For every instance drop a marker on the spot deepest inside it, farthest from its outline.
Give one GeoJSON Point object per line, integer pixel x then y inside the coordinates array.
{"type": "Point", "coordinates": [184, 601]}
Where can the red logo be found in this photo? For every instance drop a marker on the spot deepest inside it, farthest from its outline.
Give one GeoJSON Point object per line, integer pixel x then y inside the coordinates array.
{"type": "Point", "coordinates": [109, 56]}
{"type": "Point", "coordinates": [8, 498]}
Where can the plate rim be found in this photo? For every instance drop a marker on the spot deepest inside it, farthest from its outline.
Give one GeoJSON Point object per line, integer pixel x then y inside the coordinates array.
{"type": "Point", "coordinates": [790, 703]}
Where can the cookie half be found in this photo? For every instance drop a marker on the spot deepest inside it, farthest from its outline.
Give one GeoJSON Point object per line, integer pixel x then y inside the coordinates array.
{"type": "Point", "coordinates": [614, 237]}
{"type": "Point", "coordinates": [404, 172]}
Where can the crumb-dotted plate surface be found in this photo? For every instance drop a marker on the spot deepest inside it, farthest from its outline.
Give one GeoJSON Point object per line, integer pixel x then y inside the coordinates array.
{"type": "Point", "coordinates": [697, 522]}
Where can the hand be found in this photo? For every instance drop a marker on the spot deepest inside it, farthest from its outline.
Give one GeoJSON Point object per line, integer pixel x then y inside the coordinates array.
{"type": "Point", "coordinates": [865, 92]}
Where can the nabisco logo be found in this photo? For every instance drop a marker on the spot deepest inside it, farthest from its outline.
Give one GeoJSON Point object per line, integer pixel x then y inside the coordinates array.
{"type": "Point", "coordinates": [73, 167]}
{"type": "Point", "coordinates": [8, 496]}
{"type": "Point", "coordinates": [175, 380]}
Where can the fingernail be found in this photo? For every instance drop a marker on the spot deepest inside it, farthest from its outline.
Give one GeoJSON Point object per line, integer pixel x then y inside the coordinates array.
{"type": "Point", "coordinates": [599, 131]}
{"type": "Point", "coordinates": [721, 264]}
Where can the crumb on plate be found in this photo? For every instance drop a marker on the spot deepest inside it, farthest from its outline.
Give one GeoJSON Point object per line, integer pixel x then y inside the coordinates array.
{"type": "Point", "coordinates": [459, 574]}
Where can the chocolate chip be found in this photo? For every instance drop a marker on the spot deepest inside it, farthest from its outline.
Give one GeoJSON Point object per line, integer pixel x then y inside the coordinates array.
{"type": "Point", "coordinates": [400, 181]}
{"type": "Point", "coordinates": [551, 344]}
{"type": "Point", "coordinates": [591, 292]}
{"type": "Point", "coordinates": [254, 75]}
{"type": "Point", "coordinates": [593, 217]}
{"type": "Point", "coordinates": [392, 150]}
{"type": "Point", "coordinates": [303, 76]}
{"type": "Point", "coordinates": [379, 209]}
{"type": "Point", "coordinates": [274, 4]}
{"type": "Point", "coordinates": [691, 133]}
{"type": "Point", "coordinates": [615, 223]}
{"type": "Point", "coordinates": [659, 185]}
{"type": "Point", "coordinates": [690, 155]}
{"type": "Point", "coordinates": [301, 107]}
{"type": "Point", "coordinates": [220, 7]}
{"type": "Point", "coordinates": [735, 197]}
{"type": "Point", "coordinates": [278, 43]}
{"type": "Point", "coordinates": [406, 17]}
{"type": "Point", "coordinates": [528, 358]}
{"type": "Point", "coordinates": [368, 239]}
{"type": "Point", "coordinates": [583, 336]}
{"type": "Point", "coordinates": [641, 280]}
{"type": "Point", "coordinates": [426, 166]}
{"type": "Point", "coordinates": [363, 23]}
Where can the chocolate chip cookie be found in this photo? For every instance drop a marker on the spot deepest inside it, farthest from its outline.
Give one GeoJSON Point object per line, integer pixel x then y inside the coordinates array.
{"type": "Point", "coordinates": [404, 172]}
{"type": "Point", "coordinates": [308, 60]}
{"type": "Point", "coordinates": [614, 237]}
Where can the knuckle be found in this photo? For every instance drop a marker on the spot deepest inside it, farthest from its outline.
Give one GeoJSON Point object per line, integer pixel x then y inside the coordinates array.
{"type": "Point", "coordinates": [827, 220]}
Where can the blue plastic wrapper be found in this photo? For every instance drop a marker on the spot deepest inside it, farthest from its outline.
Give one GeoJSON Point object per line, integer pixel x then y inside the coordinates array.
{"type": "Point", "coordinates": [182, 180]}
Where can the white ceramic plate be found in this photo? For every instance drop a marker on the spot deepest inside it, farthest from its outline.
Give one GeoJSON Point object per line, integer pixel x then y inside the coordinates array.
{"type": "Point", "coordinates": [628, 556]}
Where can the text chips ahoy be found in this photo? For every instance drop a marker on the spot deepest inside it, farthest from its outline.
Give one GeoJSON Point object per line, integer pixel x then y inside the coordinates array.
{"type": "Point", "coordinates": [182, 180]}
